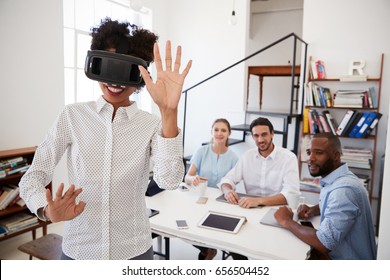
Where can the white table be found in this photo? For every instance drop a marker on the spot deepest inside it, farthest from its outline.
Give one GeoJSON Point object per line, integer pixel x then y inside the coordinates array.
{"type": "Point", "coordinates": [254, 240]}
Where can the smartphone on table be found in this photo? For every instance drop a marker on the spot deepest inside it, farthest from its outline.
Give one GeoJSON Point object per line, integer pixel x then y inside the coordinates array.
{"type": "Point", "coordinates": [181, 224]}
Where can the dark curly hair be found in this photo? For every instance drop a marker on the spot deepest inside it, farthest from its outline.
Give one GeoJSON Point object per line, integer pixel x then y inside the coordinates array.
{"type": "Point", "coordinates": [110, 33]}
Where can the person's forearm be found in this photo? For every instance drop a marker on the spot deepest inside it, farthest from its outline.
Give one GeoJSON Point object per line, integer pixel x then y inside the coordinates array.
{"type": "Point", "coordinates": [169, 124]}
{"type": "Point", "coordinates": [307, 235]}
{"type": "Point", "coordinates": [278, 199]}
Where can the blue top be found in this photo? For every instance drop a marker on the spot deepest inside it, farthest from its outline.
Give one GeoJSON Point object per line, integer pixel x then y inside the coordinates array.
{"type": "Point", "coordinates": [346, 223]}
{"type": "Point", "coordinates": [209, 165]}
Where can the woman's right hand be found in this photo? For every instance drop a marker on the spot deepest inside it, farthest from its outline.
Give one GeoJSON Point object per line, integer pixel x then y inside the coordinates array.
{"type": "Point", "coordinates": [196, 179]}
{"type": "Point", "coordinates": [63, 207]}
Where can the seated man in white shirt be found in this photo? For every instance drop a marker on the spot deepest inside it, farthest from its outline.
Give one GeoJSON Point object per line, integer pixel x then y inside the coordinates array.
{"type": "Point", "coordinates": [268, 171]}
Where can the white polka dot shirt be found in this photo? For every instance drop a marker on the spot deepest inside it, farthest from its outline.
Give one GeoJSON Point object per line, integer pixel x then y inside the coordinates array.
{"type": "Point", "coordinates": [110, 160]}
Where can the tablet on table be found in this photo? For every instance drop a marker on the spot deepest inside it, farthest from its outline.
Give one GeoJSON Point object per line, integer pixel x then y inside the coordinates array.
{"type": "Point", "coordinates": [223, 222]}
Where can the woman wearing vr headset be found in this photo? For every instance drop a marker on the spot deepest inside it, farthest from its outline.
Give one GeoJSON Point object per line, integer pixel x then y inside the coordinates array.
{"type": "Point", "coordinates": [110, 144]}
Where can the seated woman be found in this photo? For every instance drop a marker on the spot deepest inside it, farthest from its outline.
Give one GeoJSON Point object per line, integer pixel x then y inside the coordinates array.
{"type": "Point", "coordinates": [212, 162]}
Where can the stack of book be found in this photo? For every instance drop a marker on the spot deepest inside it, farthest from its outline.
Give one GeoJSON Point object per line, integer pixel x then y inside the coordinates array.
{"type": "Point", "coordinates": [322, 97]}
{"type": "Point", "coordinates": [316, 122]}
{"type": "Point", "coordinates": [12, 166]}
{"type": "Point", "coordinates": [366, 98]}
{"type": "Point", "coordinates": [357, 157]}
{"type": "Point", "coordinates": [318, 96]}
{"type": "Point", "coordinates": [9, 195]}
{"type": "Point", "coordinates": [18, 221]}
{"type": "Point", "coordinates": [3, 230]}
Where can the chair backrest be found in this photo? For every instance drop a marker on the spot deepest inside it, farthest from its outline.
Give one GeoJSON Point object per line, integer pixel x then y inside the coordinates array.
{"type": "Point", "coordinates": [153, 188]}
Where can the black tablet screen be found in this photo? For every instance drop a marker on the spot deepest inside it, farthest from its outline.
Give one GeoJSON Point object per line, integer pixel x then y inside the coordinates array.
{"type": "Point", "coordinates": [221, 222]}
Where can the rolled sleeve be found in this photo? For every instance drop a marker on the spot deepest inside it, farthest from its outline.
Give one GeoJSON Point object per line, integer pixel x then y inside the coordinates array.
{"type": "Point", "coordinates": [168, 168]}
{"type": "Point", "coordinates": [339, 217]}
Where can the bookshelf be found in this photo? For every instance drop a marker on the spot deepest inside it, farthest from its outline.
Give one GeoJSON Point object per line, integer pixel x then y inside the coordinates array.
{"type": "Point", "coordinates": [366, 142]}
{"type": "Point", "coordinates": [28, 154]}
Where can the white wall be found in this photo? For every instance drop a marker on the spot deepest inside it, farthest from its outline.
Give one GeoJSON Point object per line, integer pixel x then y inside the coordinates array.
{"type": "Point", "coordinates": [31, 71]}
{"type": "Point", "coordinates": [202, 28]}
{"type": "Point", "coordinates": [355, 29]}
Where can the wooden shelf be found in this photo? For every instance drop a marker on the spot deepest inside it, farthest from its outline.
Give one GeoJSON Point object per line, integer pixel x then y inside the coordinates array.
{"type": "Point", "coordinates": [27, 153]}
{"type": "Point", "coordinates": [32, 229]}
{"type": "Point", "coordinates": [11, 210]}
{"type": "Point", "coordinates": [17, 152]}
{"type": "Point", "coordinates": [338, 80]}
{"type": "Point", "coordinates": [345, 108]}
{"type": "Point", "coordinates": [372, 138]}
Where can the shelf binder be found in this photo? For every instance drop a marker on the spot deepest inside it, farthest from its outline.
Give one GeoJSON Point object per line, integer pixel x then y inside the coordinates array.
{"type": "Point", "coordinates": [373, 125]}
{"type": "Point", "coordinates": [370, 118]}
{"type": "Point", "coordinates": [357, 127]}
{"type": "Point", "coordinates": [344, 121]}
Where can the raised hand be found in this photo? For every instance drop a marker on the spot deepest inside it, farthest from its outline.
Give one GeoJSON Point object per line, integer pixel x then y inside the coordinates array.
{"type": "Point", "coordinates": [63, 207]}
{"type": "Point", "coordinates": [167, 89]}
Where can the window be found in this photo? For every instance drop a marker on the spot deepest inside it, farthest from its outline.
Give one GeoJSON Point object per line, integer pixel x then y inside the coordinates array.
{"type": "Point", "coordinates": [79, 16]}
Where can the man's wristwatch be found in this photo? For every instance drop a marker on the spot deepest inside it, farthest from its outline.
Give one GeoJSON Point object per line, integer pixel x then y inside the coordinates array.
{"type": "Point", "coordinates": [41, 214]}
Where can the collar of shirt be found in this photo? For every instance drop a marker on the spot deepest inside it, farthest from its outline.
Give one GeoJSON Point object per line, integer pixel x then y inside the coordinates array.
{"type": "Point", "coordinates": [129, 110]}
{"type": "Point", "coordinates": [337, 173]}
{"type": "Point", "coordinates": [272, 155]}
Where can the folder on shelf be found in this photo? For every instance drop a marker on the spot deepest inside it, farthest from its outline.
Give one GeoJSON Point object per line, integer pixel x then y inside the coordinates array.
{"type": "Point", "coordinates": [358, 125]}
{"type": "Point", "coordinates": [370, 118]}
{"type": "Point", "coordinates": [373, 125]}
{"type": "Point", "coordinates": [344, 121]}
{"type": "Point", "coordinates": [352, 122]}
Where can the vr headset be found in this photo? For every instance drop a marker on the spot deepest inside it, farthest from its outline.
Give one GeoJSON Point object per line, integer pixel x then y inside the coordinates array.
{"type": "Point", "coordinates": [114, 68]}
